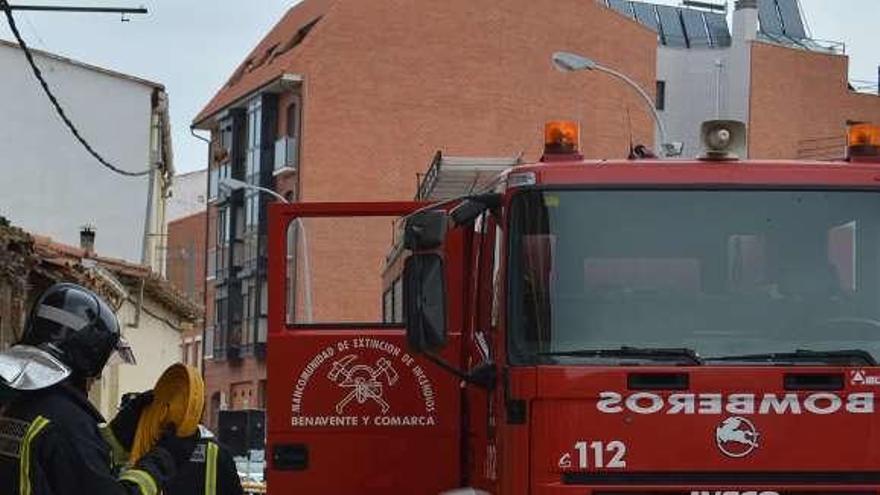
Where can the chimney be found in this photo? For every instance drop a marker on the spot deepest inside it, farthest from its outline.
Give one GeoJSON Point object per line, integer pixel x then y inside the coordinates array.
{"type": "Point", "coordinates": [87, 239]}
{"type": "Point", "coordinates": [745, 21]}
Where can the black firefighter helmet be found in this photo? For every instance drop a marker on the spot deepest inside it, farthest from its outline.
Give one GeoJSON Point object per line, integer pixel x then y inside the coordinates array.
{"type": "Point", "coordinates": [76, 326]}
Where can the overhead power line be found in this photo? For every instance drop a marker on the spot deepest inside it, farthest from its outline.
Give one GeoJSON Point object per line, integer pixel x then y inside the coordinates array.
{"type": "Point", "coordinates": [4, 5]}
{"type": "Point", "coordinates": [88, 10]}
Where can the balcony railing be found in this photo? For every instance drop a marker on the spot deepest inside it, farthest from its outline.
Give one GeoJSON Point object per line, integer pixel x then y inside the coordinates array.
{"type": "Point", "coordinates": [286, 154]}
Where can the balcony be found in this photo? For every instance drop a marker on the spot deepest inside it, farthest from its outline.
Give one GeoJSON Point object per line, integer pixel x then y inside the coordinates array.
{"type": "Point", "coordinates": [286, 155]}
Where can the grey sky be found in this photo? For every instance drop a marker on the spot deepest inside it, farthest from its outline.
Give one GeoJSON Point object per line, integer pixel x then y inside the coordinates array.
{"type": "Point", "coordinates": [191, 46]}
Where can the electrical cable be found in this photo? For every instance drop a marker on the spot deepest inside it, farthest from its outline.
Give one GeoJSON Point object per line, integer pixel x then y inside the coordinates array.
{"type": "Point", "coordinates": [4, 5]}
{"type": "Point", "coordinates": [178, 399]}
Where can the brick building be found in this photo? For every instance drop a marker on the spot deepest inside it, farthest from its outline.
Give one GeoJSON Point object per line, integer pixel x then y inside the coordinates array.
{"type": "Point", "coordinates": [185, 258]}
{"type": "Point", "coordinates": [800, 103]}
{"type": "Point", "coordinates": [350, 100]}
{"type": "Point", "coordinates": [790, 89]}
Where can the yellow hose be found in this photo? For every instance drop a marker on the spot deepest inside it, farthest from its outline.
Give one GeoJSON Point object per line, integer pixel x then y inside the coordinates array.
{"type": "Point", "coordinates": [178, 399]}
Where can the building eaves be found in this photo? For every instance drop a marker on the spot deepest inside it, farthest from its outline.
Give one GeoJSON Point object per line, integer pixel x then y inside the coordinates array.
{"type": "Point", "coordinates": [130, 274]}
{"type": "Point", "coordinates": [270, 59]}
{"type": "Point", "coordinates": [83, 65]}
{"type": "Point", "coordinates": [192, 172]}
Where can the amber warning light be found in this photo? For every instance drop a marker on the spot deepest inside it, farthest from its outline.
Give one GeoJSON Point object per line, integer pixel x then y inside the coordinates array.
{"type": "Point", "coordinates": [562, 140]}
{"type": "Point", "coordinates": [863, 143]}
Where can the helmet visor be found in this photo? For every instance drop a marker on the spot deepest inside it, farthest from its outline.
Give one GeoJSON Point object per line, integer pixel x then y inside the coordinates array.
{"type": "Point", "coordinates": [123, 353]}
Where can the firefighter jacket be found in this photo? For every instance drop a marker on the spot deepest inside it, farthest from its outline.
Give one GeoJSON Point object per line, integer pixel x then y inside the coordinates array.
{"type": "Point", "coordinates": [210, 471]}
{"type": "Point", "coordinates": [51, 444]}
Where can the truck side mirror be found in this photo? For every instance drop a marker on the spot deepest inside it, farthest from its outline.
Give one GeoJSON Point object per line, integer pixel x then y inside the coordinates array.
{"type": "Point", "coordinates": [425, 230]}
{"type": "Point", "coordinates": [424, 302]}
{"type": "Point", "coordinates": [468, 210]}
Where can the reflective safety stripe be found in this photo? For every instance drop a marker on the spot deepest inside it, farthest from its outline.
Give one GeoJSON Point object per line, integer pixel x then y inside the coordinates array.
{"type": "Point", "coordinates": [120, 456]}
{"type": "Point", "coordinates": [24, 457]}
{"type": "Point", "coordinates": [142, 479]}
{"type": "Point", "coordinates": [211, 469]}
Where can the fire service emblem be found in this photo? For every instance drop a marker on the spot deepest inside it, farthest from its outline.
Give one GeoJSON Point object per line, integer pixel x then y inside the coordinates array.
{"type": "Point", "coordinates": [736, 437]}
{"type": "Point", "coordinates": [363, 382]}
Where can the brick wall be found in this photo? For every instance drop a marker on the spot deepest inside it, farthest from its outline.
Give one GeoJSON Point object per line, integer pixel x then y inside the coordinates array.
{"type": "Point", "coordinates": [800, 104]}
{"type": "Point", "coordinates": [233, 384]}
{"type": "Point", "coordinates": [186, 255]}
{"type": "Point", "coordinates": [185, 262]}
{"type": "Point", "coordinates": [387, 84]}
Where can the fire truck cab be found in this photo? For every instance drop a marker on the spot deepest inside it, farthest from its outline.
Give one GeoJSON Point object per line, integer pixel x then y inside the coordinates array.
{"type": "Point", "coordinates": [614, 327]}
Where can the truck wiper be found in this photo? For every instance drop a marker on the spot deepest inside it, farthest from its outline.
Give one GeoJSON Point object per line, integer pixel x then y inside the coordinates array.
{"type": "Point", "coordinates": [848, 357]}
{"type": "Point", "coordinates": [659, 354]}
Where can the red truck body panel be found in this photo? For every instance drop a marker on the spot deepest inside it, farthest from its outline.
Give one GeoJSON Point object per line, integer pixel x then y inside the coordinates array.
{"type": "Point", "coordinates": [586, 429]}
{"type": "Point", "coordinates": [370, 417]}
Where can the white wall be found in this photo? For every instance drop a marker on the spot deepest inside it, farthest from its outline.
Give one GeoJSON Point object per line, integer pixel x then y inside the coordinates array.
{"type": "Point", "coordinates": [707, 83]}
{"type": "Point", "coordinates": [49, 185]}
{"type": "Point", "coordinates": [156, 346]}
{"type": "Point", "coordinates": [188, 193]}
{"type": "Point", "coordinates": [693, 93]}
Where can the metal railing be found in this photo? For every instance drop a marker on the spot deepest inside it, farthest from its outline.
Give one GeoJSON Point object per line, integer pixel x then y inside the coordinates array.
{"type": "Point", "coordinates": [822, 148]}
{"type": "Point", "coordinates": [864, 86]}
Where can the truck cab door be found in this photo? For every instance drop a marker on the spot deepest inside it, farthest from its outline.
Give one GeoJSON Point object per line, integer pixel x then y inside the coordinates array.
{"type": "Point", "coordinates": [350, 410]}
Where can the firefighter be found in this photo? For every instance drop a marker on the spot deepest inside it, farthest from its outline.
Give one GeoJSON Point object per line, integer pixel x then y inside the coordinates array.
{"type": "Point", "coordinates": [55, 442]}
{"type": "Point", "coordinates": [210, 469]}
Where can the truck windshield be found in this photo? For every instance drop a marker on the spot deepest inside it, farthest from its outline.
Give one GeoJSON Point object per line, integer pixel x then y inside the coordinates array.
{"type": "Point", "coordinates": [721, 273]}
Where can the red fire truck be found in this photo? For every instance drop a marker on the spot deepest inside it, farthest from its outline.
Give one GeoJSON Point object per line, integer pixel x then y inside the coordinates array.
{"type": "Point", "coordinates": [615, 327]}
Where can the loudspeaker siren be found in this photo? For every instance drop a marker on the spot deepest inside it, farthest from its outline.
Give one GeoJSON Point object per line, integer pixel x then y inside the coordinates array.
{"type": "Point", "coordinates": [723, 140]}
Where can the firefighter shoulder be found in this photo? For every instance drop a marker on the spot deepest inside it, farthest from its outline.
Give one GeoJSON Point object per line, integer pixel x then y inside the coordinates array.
{"type": "Point", "coordinates": [54, 441]}
{"type": "Point", "coordinates": [211, 470]}
{"type": "Point", "coordinates": [174, 406]}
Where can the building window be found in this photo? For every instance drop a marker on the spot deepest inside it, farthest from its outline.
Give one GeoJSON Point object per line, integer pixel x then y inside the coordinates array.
{"type": "Point", "coordinates": [392, 303]}
{"type": "Point", "coordinates": [220, 158]}
{"type": "Point", "coordinates": [197, 347]}
{"type": "Point", "coordinates": [398, 300]}
{"type": "Point", "coordinates": [212, 263]}
{"type": "Point", "coordinates": [254, 133]}
{"type": "Point", "coordinates": [221, 326]}
{"type": "Point", "coordinates": [209, 343]}
{"type": "Point", "coordinates": [387, 306]}
{"type": "Point", "coordinates": [661, 95]}
{"type": "Point", "coordinates": [222, 243]}
{"type": "Point", "coordinates": [252, 200]}
{"type": "Point", "coordinates": [287, 147]}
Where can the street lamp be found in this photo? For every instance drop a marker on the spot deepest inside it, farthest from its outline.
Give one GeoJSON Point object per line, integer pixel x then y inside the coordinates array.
{"type": "Point", "coordinates": [230, 184]}
{"type": "Point", "coordinates": [571, 62]}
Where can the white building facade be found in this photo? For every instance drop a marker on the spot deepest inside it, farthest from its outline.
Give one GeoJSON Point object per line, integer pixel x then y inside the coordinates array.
{"type": "Point", "coordinates": [188, 195]}
{"type": "Point", "coordinates": [50, 185]}
{"type": "Point", "coordinates": [704, 66]}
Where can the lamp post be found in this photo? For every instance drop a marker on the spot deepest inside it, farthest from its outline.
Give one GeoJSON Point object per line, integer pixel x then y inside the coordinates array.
{"type": "Point", "coordinates": [571, 62]}
{"type": "Point", "coordinates": [230, 184]}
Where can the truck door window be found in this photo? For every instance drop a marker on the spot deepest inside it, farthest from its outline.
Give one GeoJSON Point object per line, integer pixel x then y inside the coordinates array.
{"type": "Point", "coordinates": [344, 270]}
